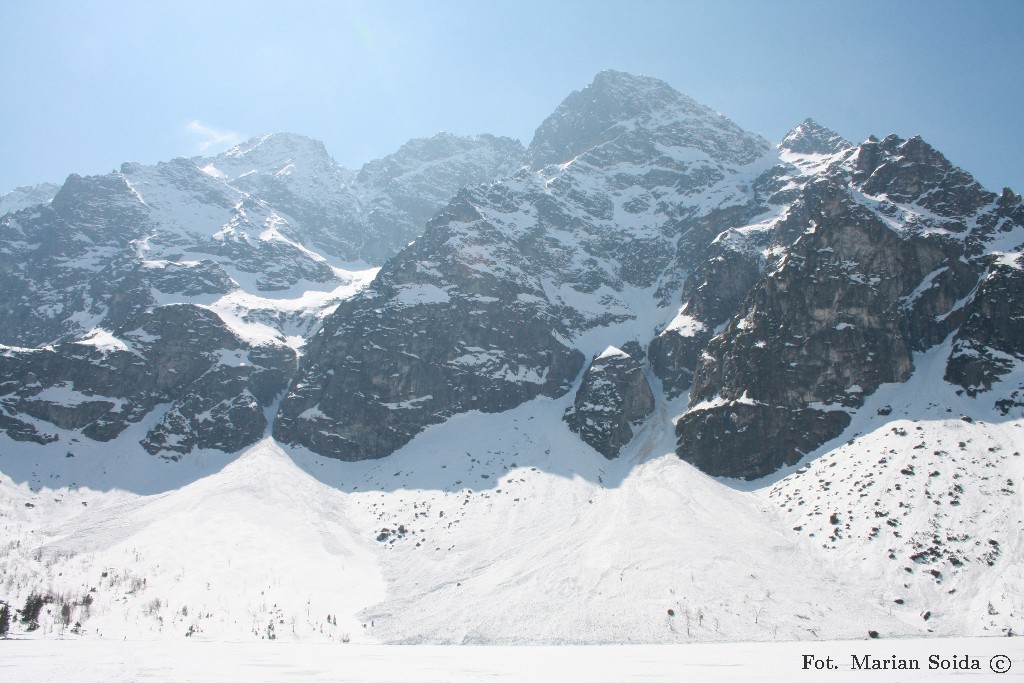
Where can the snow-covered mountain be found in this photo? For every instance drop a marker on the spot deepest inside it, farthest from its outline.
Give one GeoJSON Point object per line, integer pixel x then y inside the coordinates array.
{"type": "Point", "coordinates": [24, 197]}
{"type": "Point", "coordinates": [369, 214]}
{"type": "Point", "coordinates": [652, 379]}
{"type": "Point", "coordinates": [185, 288]}
{"type": "Point", "coordinates": [515, 285]}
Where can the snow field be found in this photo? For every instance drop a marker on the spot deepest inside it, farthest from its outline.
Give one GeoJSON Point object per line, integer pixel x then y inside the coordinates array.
{"type": "Point", "coordinates": [485, 529]}
{"type": "Point", "coordinates": [185, 662]}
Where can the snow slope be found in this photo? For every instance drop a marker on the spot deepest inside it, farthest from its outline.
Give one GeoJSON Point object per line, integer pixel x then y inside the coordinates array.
{"type": "Point", "coordinates": [923, 501]}
{"type": "Point", "coordinates": [252, 547]}
{"type": "Point", "coordinates": [492, 529]}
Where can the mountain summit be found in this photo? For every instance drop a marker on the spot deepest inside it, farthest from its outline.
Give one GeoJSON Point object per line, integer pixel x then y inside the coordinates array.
{"type": "Point", "coordinates": [617, 104]}
{"type": "Point", "coordinates": [812, 138]}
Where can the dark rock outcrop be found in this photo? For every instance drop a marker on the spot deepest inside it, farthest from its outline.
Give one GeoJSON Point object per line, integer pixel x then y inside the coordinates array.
{"type": "Point", "coordinates": [614, 398]}
{"type": "Point", "coordinates": [872, 261]}
{"type": "Point", "coordinates": [990, 342]}
{"type": "Point", "coordinates": [209, 387]}
{"type": "Point", "coordinates": [725, 276]}
{"type": "Point", "coordinates": [749, 439]}
{"type": "Point", "coordinates": [825, 327]}
{"type": "Point", "coordinates": [432, 336]}
{"type": "Point", "coordinates": [61, 259]}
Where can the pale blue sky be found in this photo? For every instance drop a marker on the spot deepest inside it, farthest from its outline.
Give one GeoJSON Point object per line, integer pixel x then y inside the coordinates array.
{"type": "Point", "coordinates": [87, 85]}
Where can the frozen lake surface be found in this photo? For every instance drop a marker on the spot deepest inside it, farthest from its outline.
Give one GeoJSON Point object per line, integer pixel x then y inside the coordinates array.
{"type": "Point", "coordinates": [102, 660]}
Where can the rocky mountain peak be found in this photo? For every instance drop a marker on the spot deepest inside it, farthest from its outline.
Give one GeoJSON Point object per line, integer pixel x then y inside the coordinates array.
{"type": "Point", "coordinates": [810, 137]}
{"type": "Point", "coordinates": [91, 197]}
{"type": "Point", "coordinates": [456, 155]}
{"type": "Point", "coordinates": [909, 170]}
{"type": "Point", "coordinates": [636, 90]}
{"type": "Point", "coordinates": [616, 103]}
{"type": "Point", "coordinates": [274, 143]}
{"type": "Point", "coordinates": [274, 154]}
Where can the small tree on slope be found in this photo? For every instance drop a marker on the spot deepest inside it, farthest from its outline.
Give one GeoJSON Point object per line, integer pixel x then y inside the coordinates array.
{"type": "Point", "coordinates": [5, 620]}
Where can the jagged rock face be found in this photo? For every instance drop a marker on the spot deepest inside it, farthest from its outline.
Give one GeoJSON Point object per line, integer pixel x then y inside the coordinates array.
{"type": "Point", "coordinates": [109, 247]}
{"type": "Point", "coordinates": [208, 386]}
{"type": "Point", "coordinates": [866, 280]}
{"type": "Point", "coordinates": [613, 399]}
{"type": "Point", "coordinates": [195, 217]}
{"type": "Point", "coordinates": [730, 269]}
{"type": "Point", "coordinates": [728, 249]}
{"type": "Point", "coordinates": [432, 336]}
{"type": "Point", "coordinates": [759, 438]}
{"type": "Point", "coordinates": [836, 292]}
{"type": "Point", "coordinates": [820, 328]}
{"type": "Point", "coordinates": [440, 360]}
{"type": "Point", "coordinates": [990, 342]}
{"type": "Point", "coordinates": [55, 260]}
{"type": "Point", "coordinates": [911, 171]}
{"type": "Point", "coordinates": [485, 309]}
{"type": "Point", "coordinates": [298, 178]}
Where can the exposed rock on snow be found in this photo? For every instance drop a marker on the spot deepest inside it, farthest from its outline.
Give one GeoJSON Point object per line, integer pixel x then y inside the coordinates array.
{"type": "Point", "coordinates": [251, 236]}
{"type": "Point", "coordinates": [888, 245]}
{"type": "Point", "coordinates": [612, 401]}
{"type": "Point", "coordinates": [990, 342]}
{"type": "Point", "coordinates": [200, 384]}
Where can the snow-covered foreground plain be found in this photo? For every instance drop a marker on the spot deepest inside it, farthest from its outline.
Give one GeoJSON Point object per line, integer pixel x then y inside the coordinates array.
{"type": "Point", "coordinates": [182, 661]}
